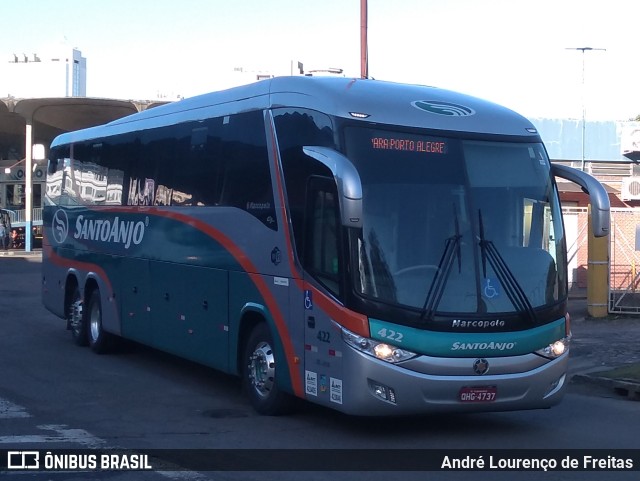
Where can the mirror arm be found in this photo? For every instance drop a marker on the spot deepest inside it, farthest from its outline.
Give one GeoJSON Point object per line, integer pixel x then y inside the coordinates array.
{"type": "Point", "coordinates": [347, 180]}
{"type": "Point", "coordinates": [600, 205]}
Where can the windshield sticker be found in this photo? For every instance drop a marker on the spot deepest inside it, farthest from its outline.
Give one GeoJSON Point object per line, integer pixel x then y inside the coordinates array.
{"type": "Point", "coordinates": [336, 390]}
{"type": "Point", "coordinates": [311, 383]}
{"type": "Point", "coordinates": [443, 108]}
{"type": "Point", "coordinates": [539, 157]}
{"type": "Point", "coordinates": [491, 288]}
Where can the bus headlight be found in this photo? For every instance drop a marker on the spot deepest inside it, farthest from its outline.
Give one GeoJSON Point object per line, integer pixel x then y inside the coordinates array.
{"type": "Point", "coordinates": [380, 350]}
{"type": "Point", "coordinates": [555, 349]}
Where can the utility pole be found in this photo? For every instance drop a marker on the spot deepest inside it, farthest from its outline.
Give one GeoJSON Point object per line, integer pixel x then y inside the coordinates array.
{"type": "Point", "coordinates": [598, 248]}
{"type": "Point", "coordinates": [584, 108]}
{"type": "Point", "coordinates": [364, 54]}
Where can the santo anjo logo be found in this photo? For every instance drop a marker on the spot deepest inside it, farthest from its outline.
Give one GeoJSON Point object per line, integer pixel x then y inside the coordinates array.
{"type": "Point", "coordinates": [443, 108]}
{"type": "Point", "coordinates": [60, 226]}
{"type": "Point", "coordinates": [111, 230]}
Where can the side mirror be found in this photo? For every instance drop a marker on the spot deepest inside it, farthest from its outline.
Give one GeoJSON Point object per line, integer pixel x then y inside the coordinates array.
{"type": "Point", "coordinates": [347, 180]}
{"type": "Point", "coordinates": [600, 206]}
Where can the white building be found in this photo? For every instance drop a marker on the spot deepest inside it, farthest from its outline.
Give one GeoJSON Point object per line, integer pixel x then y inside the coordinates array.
{"type": "Point", "coordinates": [59, 73]}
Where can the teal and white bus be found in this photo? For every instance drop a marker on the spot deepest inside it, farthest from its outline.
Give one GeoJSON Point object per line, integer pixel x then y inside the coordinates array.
{"type": "Point", "coordinates": [373, 247]}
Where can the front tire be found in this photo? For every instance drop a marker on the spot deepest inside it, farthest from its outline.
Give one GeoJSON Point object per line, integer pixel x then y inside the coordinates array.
{"type": "Point", "coordinates": [99, 340]}
{"type": "Point", "coordinates": [259, 374]}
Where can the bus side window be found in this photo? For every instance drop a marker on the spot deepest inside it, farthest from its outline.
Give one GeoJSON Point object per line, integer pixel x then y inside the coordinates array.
{"type": "Point", "coordinates": [245, 173]}
{"type": "Point", "coordinates": [322, 240]}
{"type": "Point", "coordinates": [297, 128]}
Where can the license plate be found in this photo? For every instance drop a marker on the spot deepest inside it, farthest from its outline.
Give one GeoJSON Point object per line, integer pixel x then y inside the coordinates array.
{"type": "Point", "coordinates": [478, 394]}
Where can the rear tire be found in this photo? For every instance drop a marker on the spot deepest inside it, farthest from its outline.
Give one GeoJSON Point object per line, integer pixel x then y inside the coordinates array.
{"type": "Point", "coordinates": [259, 374]}
{"type": "Point", "coordinates": [99, 340]}
{"type": "Point", "coordinates": [76, 319]}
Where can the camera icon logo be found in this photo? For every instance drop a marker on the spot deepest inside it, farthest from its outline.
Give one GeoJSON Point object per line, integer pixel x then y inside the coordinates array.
{"type": "Point", "coordinates": [23, 460]}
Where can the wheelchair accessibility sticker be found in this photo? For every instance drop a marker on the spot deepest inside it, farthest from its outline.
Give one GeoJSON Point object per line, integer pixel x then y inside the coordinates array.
{"type": "Point", "coordinates": [308, 300]}
{"type": "Point", "coordinates": [491, 288]}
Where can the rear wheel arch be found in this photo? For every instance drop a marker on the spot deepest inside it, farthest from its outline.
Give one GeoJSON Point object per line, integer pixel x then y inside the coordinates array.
{"type": "Point", "coordinates": [90, 285]}
{"type": "Point", "coordinates": [70, 287]}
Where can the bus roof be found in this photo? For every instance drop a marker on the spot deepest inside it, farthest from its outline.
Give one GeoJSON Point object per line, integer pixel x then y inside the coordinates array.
{"type": "Point", "coordinates": [371, 100]}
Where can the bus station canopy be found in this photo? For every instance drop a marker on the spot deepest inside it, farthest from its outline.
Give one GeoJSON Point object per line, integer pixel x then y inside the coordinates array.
{"type": "Point", "coordinates": [50, 117]}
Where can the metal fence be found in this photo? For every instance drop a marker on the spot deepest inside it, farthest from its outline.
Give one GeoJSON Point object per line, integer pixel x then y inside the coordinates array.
{"type": "Point", "coordinates": [624, 259]}
{"type": "Point", "coordinates": [18, 217]}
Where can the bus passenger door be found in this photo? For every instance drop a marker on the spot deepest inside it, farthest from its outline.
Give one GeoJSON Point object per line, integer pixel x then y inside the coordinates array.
{"type": "Point", "coordinates": [323, 286]}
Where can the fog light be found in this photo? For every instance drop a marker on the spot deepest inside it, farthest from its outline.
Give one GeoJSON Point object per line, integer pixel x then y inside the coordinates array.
{"type": "Point", "coordinates": [383, 392]}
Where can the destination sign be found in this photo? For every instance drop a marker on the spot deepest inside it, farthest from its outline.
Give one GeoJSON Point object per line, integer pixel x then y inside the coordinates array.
{"type": "Point", "coordinates": [428, 146]}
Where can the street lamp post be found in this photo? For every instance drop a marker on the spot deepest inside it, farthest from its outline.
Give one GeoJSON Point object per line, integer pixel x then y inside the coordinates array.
{"type": "Point", "coordinates": [28, 180]}
{"type": "Point", "coordinates": [584, 108]}
{"type": "Point", "coordinates": [364, 47]}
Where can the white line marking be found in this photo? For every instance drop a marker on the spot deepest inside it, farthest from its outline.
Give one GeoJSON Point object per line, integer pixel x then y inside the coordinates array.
{"type": "Point", "coordinates": [180, 475]}
{"type": "Point", "coordinates": [62, 435]}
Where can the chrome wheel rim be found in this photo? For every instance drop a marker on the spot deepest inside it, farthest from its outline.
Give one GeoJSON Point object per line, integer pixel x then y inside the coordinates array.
{"type": "Point", "coordinates": [262, 369]}
{"type": "Point", "coordinates": [95, 322]}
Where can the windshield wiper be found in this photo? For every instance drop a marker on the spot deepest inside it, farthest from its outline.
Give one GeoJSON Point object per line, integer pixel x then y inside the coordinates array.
{"type": "Point", "coordinates": [436, 289]}
{"type": "Point", "coordinates": [514, 291]}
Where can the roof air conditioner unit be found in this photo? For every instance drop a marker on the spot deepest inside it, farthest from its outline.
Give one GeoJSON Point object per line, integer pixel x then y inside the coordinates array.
{"type": "Point", "coordinates": [630, 188]}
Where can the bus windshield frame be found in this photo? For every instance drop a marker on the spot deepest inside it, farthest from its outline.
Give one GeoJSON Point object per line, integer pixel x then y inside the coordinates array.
{"type": "Point", "coordinates": [455, 226]}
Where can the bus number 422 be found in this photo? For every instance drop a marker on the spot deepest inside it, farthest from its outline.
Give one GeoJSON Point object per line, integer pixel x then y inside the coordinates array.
{"type": "Point", "coordinates": [390, 334]}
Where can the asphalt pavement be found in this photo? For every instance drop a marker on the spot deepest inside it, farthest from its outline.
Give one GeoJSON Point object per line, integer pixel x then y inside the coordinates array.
{"type": "Point", "coordinates": [605, 352]}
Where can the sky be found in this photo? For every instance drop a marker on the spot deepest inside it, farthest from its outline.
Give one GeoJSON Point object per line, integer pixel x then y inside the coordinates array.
{"type": "Point", "coordinates": [514, 52]}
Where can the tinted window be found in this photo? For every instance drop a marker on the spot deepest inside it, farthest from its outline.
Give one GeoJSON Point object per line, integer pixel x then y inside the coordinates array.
{"type": "Point", "coordinates": [322, 244]}
{"type": "Point", "coordinates": [216, 162]}
{"type": "Point", "coordinates": [296, 129]}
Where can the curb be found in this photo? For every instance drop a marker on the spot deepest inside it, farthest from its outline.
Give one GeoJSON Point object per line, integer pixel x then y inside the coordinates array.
{"type": "Point", "coordinates": [19, 253]}
{"type": "Point", "coordinates": [623, 387]}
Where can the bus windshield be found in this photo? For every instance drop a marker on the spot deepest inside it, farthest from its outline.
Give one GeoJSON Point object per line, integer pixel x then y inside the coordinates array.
{"type": "Point", "coordinates": [455, 226]}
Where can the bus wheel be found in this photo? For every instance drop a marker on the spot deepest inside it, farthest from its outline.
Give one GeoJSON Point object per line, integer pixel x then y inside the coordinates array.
{"type": "Point", "coordinates": [99, 340]}
{"type": "Point", "coordinates": [259, 374]}
{"type": "Point", "coordinates": [76, 321]}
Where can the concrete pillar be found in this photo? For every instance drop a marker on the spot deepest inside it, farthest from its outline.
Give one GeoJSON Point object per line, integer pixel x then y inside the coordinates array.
{"type": "Point", "coordinates": [28, 190]}
{"type": "Point", "coordinates": [597, 274]}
